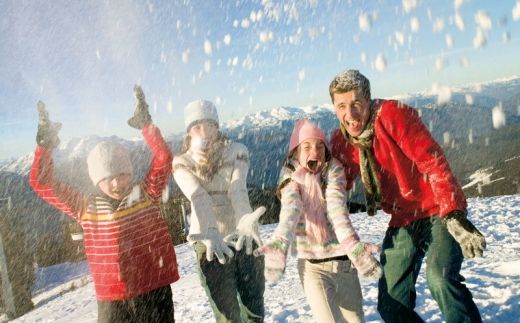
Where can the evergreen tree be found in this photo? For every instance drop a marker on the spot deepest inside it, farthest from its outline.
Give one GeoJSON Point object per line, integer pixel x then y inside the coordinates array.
{"type": "Point", "coordinates": [48, 250]}
{"type": "Point", "coordinates": [20, 261]}
{"type": "Point", "coordinates": [73, 250]}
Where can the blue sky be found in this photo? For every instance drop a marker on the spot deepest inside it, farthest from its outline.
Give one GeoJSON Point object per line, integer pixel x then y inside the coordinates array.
{"type": "Point", "coordinates": [82, 58]}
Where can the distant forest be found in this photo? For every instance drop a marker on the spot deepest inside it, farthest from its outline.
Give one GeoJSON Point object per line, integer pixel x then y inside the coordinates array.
{"type": "Point", "coordinates": [497, 153]}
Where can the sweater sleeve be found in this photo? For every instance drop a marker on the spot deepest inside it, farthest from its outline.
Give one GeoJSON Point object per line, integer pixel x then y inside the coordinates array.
{"type": "Point", "coordinates": [290, 214]}
{"type": "Point", "coordinates": [238, 188]}
{"type": "Point", "coordinates": [201, 204]}
{"type": "Point", "coordinates": [158, 174]}
{"type": "Point", "coordinates": [43, 182]}
{"type": "Point", "coordinates": [337, 209]}
{"type": "Point", "coordinates": [411, 135]}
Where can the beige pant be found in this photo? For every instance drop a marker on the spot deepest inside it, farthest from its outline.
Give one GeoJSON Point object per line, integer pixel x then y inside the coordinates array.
{"type": "Point", "coordinates": [333, 291]}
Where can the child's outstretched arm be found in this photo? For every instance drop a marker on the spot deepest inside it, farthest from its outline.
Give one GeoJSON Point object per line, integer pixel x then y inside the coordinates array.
{"type": "Point", "coordinates": [42, 178]}
{"type": "Point", "coordinates": [157, 177]}
{"type": "Point", "coordinates": [360, 253]}
{"type": "Point", "coordinates": [276, 250]}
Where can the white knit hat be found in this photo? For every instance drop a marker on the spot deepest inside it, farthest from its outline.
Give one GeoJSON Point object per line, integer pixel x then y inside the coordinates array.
{"type": "Point", "coordinates": [107, 159]}
{"type": "Point", "coordinates": [199, 110]}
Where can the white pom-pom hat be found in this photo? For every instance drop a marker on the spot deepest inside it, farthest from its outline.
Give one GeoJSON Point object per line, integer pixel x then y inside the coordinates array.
{"type": "Point", "coordinates": [108, 159]}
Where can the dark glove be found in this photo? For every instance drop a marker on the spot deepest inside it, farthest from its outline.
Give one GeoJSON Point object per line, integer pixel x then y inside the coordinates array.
{"type": "Point", "coordinates": [469, 238]}
{"type": "Point", "coordinates": [47, 136]}
{"type": "Point", "coordinates": [141, 115]}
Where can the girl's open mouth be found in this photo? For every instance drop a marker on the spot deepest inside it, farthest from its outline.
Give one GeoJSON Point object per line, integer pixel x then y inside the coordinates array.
{"type": "Point", "coordinates": [312, 164]}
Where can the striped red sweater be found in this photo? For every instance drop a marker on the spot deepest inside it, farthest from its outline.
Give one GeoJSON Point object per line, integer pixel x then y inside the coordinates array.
{"type": "Point", "coordinates": [129, 249]}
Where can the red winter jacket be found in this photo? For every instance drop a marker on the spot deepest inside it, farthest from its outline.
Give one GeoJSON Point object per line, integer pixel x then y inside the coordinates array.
{"type": "Point", "coordinates": [129, 250]}
{"type": "Point", "coordinates": [415, 176]}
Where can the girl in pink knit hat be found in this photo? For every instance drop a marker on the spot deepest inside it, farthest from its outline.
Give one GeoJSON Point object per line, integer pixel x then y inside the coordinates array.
{"type": "Point", "coordinates": [315, 225]}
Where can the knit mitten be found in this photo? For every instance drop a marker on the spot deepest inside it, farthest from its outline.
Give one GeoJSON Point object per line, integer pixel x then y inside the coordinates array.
{"type": "Point", "coordinates": [246, 232]}
{"type": "Point", "coordinates": [364, 261]}
{"type": "Point", "coordinates": [212, 239]}
{"type": "Point", "coordinates": [141, 115]}
{"type": "Point", "coordinates": [275, 259]}
{"type": "Point", "coordinates": [471, 241]}
{"type": "Point", "coordinates": [47, 136]}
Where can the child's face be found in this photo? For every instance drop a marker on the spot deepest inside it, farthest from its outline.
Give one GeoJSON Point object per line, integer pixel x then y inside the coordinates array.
{"type": "Point", "coordinates": [117, 186]}
{"type": "Point", "coordinates": [311, 154]}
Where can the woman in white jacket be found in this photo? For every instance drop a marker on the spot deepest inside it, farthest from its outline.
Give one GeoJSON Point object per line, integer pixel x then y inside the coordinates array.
{"type": "Point", "coordinates": [212, 172]}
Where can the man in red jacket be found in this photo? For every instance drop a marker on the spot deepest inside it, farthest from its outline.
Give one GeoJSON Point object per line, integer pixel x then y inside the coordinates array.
{"type": "Point", "coordinates": [405, 171]}
{"type": "Point", "coordinates": [130, 252]}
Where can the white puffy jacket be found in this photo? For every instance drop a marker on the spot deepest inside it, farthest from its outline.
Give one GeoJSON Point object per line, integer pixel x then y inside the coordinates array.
{"type": "Point", "coordinates": [222, 202]}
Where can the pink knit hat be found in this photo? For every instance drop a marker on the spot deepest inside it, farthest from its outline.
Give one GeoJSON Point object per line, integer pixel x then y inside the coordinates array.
{"type": "Point", "coordinates": [303, 130]}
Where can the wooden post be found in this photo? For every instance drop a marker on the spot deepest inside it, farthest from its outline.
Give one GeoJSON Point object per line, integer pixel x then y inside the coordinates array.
{"type": "Point", "coordinates": [6, 283]}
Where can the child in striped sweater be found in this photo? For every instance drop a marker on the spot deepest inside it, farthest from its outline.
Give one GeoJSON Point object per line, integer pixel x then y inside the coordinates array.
{"type": "Point", "coordinates": [315, 225]}
{"type": "Point", "coordinates": [130, 252]}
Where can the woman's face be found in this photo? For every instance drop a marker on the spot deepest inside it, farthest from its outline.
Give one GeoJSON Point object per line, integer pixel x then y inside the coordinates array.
{"type": "Point", "coordinates": [202, 135]}
{"type": "Point", "coordinates": [311, 154]}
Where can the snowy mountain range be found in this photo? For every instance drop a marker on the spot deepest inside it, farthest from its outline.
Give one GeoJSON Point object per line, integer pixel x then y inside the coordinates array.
{"type": "Point", "coordinates": [470, 104]}
{"type": "Point", "coordinates": [484, 94]}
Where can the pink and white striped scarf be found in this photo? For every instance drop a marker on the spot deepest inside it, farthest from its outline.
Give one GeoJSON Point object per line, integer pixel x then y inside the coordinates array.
{"type": "Point", "coordinates": [315, 207]}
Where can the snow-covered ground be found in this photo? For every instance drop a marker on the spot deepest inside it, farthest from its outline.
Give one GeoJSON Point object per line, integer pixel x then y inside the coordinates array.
{"type": "Point", "coordinates": [65, 293]}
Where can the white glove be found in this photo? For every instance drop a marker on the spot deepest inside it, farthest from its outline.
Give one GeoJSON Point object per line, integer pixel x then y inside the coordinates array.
{"type": "Point", "coordinates": [212, 239]}
{"type": "Point", "coordinates": [246, 232]}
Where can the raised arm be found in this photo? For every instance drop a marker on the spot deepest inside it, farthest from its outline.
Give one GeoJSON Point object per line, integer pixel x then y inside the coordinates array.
{"type": "Point", "coordinates": [42, 179]}
{"type": "Point", "coordinates": [158, 174]}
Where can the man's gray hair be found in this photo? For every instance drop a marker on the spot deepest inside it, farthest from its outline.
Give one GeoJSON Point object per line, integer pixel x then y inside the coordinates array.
{"type": "Point", "coordinates": [350, 80]}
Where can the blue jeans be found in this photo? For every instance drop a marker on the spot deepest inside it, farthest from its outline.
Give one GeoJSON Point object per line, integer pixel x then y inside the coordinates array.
{"type": "Point", "coordinates": [236, 289]}
{"type": "Point", "coordinates": [403, 252]}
